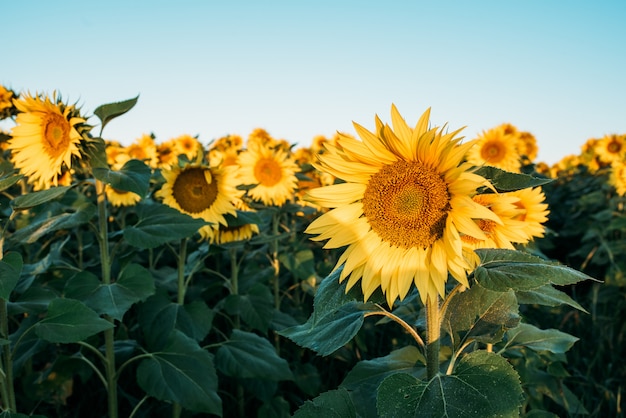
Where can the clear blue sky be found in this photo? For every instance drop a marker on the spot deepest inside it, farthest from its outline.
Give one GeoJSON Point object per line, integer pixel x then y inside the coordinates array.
{"type": "Point", "coordinates": [298, 69]}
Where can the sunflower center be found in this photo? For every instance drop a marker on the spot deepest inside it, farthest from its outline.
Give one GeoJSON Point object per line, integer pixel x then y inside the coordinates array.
{"type": "Point", "coordinates": [407, 203]}
{"type": "Point", "coordinates": [492, 152]}
{"type": "Point", "coordinates": [267, 171]}
{"type": "Point", "coordinates": [193, 192]}
{"type": "Point", "coordinates": [614, 147]}
{"type": "Point", "coordinates": [56, 134]}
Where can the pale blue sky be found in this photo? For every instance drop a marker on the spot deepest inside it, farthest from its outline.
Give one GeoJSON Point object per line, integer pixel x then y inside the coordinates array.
{"type": "Point", "coordinates": [298, 69]}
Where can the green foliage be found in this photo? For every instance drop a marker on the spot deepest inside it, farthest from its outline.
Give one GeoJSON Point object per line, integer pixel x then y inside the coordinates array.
{"type": "Point", "coordinates": [70, 321]}
{"type": "Point", "coordinates": [134, 176]}
{"type": "Point", "coordinates": [108, 112]}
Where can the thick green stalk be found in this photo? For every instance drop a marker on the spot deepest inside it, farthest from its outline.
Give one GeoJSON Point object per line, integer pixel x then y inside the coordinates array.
{"type": "Point", "coordinates": [177, 409]}
{"type": "Point", "coordinates": [6, 366]}
{"type": "Point", "coordinates": [234, 285]}
{"type": "Point", "coordinates": [109, 334]}
{"type": "Point", "coordinates": [433, 333]}
{"type": "Point", "coordinates": [276, 267]}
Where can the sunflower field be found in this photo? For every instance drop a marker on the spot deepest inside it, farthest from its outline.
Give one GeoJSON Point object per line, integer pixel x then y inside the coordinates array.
{"type": "Point", "coordinates": [402, 272]}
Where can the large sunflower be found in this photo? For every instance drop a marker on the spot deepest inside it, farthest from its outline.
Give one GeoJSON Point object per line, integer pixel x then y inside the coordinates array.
{"type": "Point", "coordinates": [271, 170]}
{"type": "Point", "coordinates": [45, 139]}
{"type": "Point", "coordinates": [534, 211]}
{"type": "Point", "coordinates": [405, 200]}
{"type": "Point", "coordinates": [496, 147]}
{"type": "Point", "coordinates": [201, 192]}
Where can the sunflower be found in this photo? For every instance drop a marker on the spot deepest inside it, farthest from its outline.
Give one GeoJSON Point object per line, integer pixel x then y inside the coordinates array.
{"type": "Point", "coordinates": [6, 102]}
{"type": "Point", "coordinates": [121, 197]}
{"type": "Point", "coordinates": [201, 192]}
{"type": "Point", "coordinates": [534, 211]}
{"type": "Point", "coordinates": [271, 170]}
{"type": "Point", "coordinates": [527, 146]}
{"type": "Point", "coordinates": [45, 139]}
{"type": "Point", "coordinates": [495, 148]}
{"type": "Point", "coordinates": [144, 149]}
{"type": "Point", "coordinates": [235, 231]}
{"type": "Point", "coordinates": [405, 200]}
{"type": "Point", "coordinates": [617, 177]}
{"type": "Point", "coordinates": [167, 154]}
{"type": "Point", "coordinates": [187, 145]}
{"type": "Point", "coordinates": [611, 148]}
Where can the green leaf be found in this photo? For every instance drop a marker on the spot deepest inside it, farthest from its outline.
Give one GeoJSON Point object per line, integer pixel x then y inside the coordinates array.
{"type": "Point", "coordinates": [34, 300]}
{"type": "Point", "coordinates": [246, 355]}
{"type": "Point", "coordinates": [134, 284]}
{"type": "Point", "coordinates": [501, 270]}
{"type": "Point", "coordinates": [133, 177]}
{"type": "Point", "coordinates": [479, 314]}
{"type": "Point", "coordinates": [505, 181]}
{"type": "Point", "coordinates": [110, 111]}
{"type": "Point", "coordinates": [159, 318]}
{"type": "Point", "coordinates": [277, 407]}
{"type": "Point", "coordinates": [365, 377]}
{"type": "Point", "coordinates": [70, 321]}
{"type": "Point", "coordinates": [256, 307]}
{"type": "Point", "coordinates": [7, 414]}
{"type": "Point", "coordinates": [301, 263]}
{"type": "Point", "coordinates": [35, 230]}
{"type": "Point", "coordinates": [10, 269]}
{"type": "Point", "coordinates": [336, 317]}
{"type": "Point", "coordinates": [552, 340]}
{"type": "Point", "coordinates": [95, 151]}
{"type": "Point", "coordinates": [483, 385]}
{"type": "Point", "coordinates": [9, 180]}
{"type": "Point", "coordinates": [158, 224]}
{"type": "Point", "coordinates": [27, 201]}
{"type": "Point", "coordinates": [331, 404]}
{"type": "Point", "coordinates": [184, 373]}
{"type": "Point", "coordinates": [547, 296]}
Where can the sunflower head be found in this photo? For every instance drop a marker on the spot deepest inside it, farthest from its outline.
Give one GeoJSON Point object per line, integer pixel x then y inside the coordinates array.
{"type": "Point", "coordinates": [496, 147]}
{"type": "Point", "coordinates": [47, 136]}
{"type": "Point", "coordinates": [7, 109]}
{"type": "Point", "coordinates": [405, 200]}
{"type": "Point", "coordinates": [121, 197]}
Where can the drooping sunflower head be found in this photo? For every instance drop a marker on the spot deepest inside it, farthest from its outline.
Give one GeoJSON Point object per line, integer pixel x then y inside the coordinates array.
{"type": "Point", "coordinates": [46, 137]}
{"type": "Point", "coordinates": [405, 200]}
{"type": "Point", "coordinates": [201, 191]}
{"type": "Point", "coordinates": [237, 229]}
{"type": "Point", "coordinates": [121, 197]}
{"type": "Point", "coordinates": [272, 171]}
{"type": "Point", "coordinates": [496, 148]}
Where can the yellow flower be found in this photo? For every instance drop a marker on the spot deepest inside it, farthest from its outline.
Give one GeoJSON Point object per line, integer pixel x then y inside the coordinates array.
{"type": "Point", "coordinates": [611, 148]}
{"type": "Point", "coordinates": [406, 199]}
{"type": "Point", "coordinates": [201, 192]}
{"type": "Point", "coordinates": [143, 149]}
{"type": "Point", "coordinates": [495, 148]}
{"type": "Point", "coordinates": [527, 145]}
{"type": "Point", "coordinates": [534, 211]}
{"type": "Point", "coordinates": [6, 102]}
{"type": "Point", "coordinates": [121, 197]}
{"type": "Point", "coordinates": [187, 145]}
{"type": "Point", "coordinates": [272, 170]}
{"type": "Point", "coordinates": [45, 139]}
{"type": "Point", "coordinates": [618, 177]}
{"type": "Point", "coordinates": [234, 233]}
{"type": "Point", "coordinates": [167, 154]}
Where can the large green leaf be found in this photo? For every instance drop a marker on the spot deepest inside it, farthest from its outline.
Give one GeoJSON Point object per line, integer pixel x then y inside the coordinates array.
{"type": "Point", "coordinates": [133, 177]}
{"type": "Point", "coordinates": [134, 284]}
{"type": "Point", "coordinates": [9, 180]}
{"type": "Point", "coordinates": [110, 111]}
{"type": "Point", "coordinates": [483, 385]}
{"type": "Point", "coordinates": [158, 224]}
{"type": "Point", "coordinates": [247, 356]}
{"type": "Point", "coordinates": [10, 269]}
{"type": "Point", "coordinates": [27, 201]}
{"type": "Point", "coordinates": [35, 230]}
{"type": "Point", "coordinates": [70, 321]}
{"type": "Point", "coordinates": [505, 181]}
{"type": "Point", "coordinates": [479, 314]}
{"type": "Point", "coordinates": [337, 317]}
{"type": "Point", "coordinates": [331, 404]}
{"type": "Point", "coordinates": [548, 296]}
{"type": "Point", "coordinates": [300, 263]}
{"type": "Point", "coordinates": [501, 270]}
{"type": "Point", "coordinates": [159, 317]}
{"type": "Point", "coordinates": [552, 340]}
{"type": "Point", "coordinates": [182, 372]}
{"type": "Point", "coordinates": [365, 377]}
{"type": "Point", "coordinates": [256, 307]}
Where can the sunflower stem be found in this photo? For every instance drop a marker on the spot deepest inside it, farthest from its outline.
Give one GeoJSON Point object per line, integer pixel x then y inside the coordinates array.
{"type": "Point", "coordinates": [181, 290]}
{"type": "Point", "coordinates": [276, 267]}
{"type": "Point", "coordinates": [109, 334]}
{"type": "Point", "coordinates": [433, 332]}
{"type": "Point", "coordinates": [234, 288]}
{"type": "Point", "coordinates": [6, 364]}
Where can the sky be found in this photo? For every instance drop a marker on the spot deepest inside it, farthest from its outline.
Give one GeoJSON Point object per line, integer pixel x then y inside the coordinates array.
{"type": "Point", "coordinates": [298, 69]}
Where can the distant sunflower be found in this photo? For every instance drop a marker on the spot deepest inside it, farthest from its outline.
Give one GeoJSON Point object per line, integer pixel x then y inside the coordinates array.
{"type": "Point", "coordinates": [167, 154]}
{"type": "Point", "coordinates": [617, 177]}
{"type": "Point", "coordinates": [495, 148]}
{"type": "Point", "coordinates": [406, 199]}
{"type": "Point", "coordinates": [121, 197]}
{"type": "Point", "coordinates": [44, 139]}
{"type": "Point", "coordinates": [144, 149]}
{"type": "Point", "coordinates": [236, 230]}
{"type": "Point", "coordinates": [611, 148]}
{"type": "Point", "coordinates": [534, 211]}
{"type": "Point", "coordinates": [271, 170]}
{"type": "Point", "coordinates": [201, 192]}
{"type": "Point", "coordinates": [187, 145]}
{"type": "Point", "coordinates": [6, 102]}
